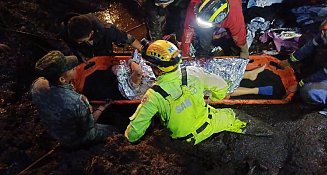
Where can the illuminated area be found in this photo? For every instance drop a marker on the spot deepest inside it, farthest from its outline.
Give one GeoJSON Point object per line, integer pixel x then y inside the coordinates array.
{"type": "Point", "coordinates": [203, 23]}
{"type": "Point", "coordinates": [106, 16]}
{"type": "Point", "coordinates": [117, 14]}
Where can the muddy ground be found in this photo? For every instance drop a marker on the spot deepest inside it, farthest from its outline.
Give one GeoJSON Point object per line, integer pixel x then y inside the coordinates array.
{"type": "Point", "coordinates": [298, 146]}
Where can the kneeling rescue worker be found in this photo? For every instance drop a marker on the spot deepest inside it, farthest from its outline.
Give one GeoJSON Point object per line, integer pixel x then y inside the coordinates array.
{"type": "Point", "coordinates": [178, 98]}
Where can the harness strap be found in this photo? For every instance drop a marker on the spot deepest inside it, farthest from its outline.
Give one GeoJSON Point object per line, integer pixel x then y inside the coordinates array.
{"type": "Point", "coordinates": [184, 76]}
{"type": "Point", "coordinates": [158, 89]}
{"type": "Point", "coordinates": [199, 130]}
{"type": "Point", "coordinates": [162, 92]}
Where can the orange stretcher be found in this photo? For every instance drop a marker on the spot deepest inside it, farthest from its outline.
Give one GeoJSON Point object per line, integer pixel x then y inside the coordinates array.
{"type": "Point", "coordinates": [104, 62]}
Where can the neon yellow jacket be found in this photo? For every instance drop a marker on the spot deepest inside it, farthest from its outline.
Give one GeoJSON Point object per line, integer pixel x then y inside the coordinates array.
{"type": "Point", "coordinates": [188, 115]}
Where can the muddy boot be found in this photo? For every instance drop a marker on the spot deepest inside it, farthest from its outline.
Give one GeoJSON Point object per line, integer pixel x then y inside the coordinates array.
{"type": "Point", "coordinates": [254, 126]}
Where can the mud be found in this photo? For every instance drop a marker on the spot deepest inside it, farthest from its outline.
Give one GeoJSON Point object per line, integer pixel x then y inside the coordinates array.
{"type": "Point", "coordinates": [297, 147]}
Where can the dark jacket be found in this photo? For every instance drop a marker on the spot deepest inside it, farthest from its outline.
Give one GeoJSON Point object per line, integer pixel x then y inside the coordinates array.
{"type": "Point", "coordinates": [306, 52]}
{"type": "Point", "coordinates": [104, 36]}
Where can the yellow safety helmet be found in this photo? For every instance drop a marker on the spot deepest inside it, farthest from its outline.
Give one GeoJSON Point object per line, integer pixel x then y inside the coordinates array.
{"type": "Point", "coordinates": [164, 55]}
{"type": "Point", "coordinates": [211, 12]}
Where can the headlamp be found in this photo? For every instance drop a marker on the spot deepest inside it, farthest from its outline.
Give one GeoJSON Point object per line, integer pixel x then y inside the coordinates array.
{"type": "Point", "coordinates": [158, 3]}
{"type": "Point", "coordinates": [203, 24]}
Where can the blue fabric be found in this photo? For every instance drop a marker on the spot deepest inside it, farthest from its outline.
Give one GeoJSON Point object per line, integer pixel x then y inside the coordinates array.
{"type": "Point", "coordinates": [315, 93]}
{"type": "Point", "coordinates": [265, 90]}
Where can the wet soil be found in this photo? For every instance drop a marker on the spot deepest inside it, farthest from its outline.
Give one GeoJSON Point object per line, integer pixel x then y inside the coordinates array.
{"type": "Point", "coordinates": [28, 27]}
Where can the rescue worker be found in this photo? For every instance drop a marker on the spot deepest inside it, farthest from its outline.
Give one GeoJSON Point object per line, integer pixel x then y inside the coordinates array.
{"type": "Point", "coordinates": [313, 89]}
{"type": "Point", "coordinates": [216, 15]}
{"type": "Point", "coordinates": [178, 98]}
{"type": "Point", "coordinates": [163, 17]}
{"type": "Point", "coordinates": [66, 113]}
{"type": "Point", "coordinates": [87, 36]}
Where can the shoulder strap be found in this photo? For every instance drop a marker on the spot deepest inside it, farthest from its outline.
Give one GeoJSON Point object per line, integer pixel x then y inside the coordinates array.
{"type": "Point", "coordinates": [184, 76]}
{"type": "Point", "coordinates": [158, 89]}
{"type": "Point", "coordinates": [162, 92]}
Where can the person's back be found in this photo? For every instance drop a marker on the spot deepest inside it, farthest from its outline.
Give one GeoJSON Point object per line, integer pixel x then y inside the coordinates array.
{"type": "Point", "coordinates": [177, 97]}
{"type": "Point", "coordinates": [64, 113]}
{"type": "Point", "coordinates": [185, 109]}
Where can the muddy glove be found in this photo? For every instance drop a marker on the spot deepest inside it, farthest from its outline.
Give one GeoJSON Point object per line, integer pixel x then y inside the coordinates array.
{"type": "Point", "coordinates": [244, 51]}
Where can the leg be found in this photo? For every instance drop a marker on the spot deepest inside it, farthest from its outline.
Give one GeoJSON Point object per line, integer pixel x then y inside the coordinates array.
{"type": "Point", "coordinates": [245, 91]}
{"type": "Point", "coordinates": [252, 74]}
{"type": "Point", "coordinates": [264, 90]}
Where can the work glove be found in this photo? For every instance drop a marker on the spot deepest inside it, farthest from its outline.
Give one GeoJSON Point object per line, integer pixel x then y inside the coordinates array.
{"type": "Point", "coordinates": [244, 51]}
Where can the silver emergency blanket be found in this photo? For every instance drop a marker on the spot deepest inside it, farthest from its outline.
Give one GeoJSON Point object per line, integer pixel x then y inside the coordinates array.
{"type": "Point", "coordinates": [125, 85]}
{"type": "Point", "coordinates": [230, 69]}
{"type": "Point", "coordinates": [262, 3]}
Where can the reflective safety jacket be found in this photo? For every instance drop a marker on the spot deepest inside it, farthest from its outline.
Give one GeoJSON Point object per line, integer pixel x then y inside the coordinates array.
{"type": "Point", "coordinates": [182, 108]}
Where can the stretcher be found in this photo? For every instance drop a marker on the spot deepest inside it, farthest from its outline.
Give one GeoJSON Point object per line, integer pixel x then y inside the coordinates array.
{"type": "Point", "coordinates": [287, 77]}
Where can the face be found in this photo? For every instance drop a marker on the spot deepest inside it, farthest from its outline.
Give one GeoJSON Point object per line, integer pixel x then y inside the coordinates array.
{"type": "Point", "coordinates": [85, 39]}
{"type": "Point", "coordinates": [68, 76]}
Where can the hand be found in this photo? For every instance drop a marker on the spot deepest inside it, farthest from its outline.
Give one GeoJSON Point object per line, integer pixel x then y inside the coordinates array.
{"type": "Point", "coordinates": [283, 64]}
{"type": "Point", "coordinates": [4, 48]}
{"type": "Point", "coordinates": [136, 73]}
{"type": "Point", "coordinates": [40, 84]}
{"type": "Point", "coordinates": [244, 51]}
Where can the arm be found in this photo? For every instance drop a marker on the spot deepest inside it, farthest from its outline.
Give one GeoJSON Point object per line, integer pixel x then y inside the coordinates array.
{"type": "Point", "coordinates": [302, 53]}
{"type": "Point", "coordinates": [306, 50]}
{"type": "Point", "coordinates": [236, 25]}
{"type": "Point", "coordinates": [136, 72]}
{"type": "Point", "coordinates": [137, 45]}
{"type": "Point", "coordinates": [99, 110]}
{"type": "Point", "coordinates": [142, 117]}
